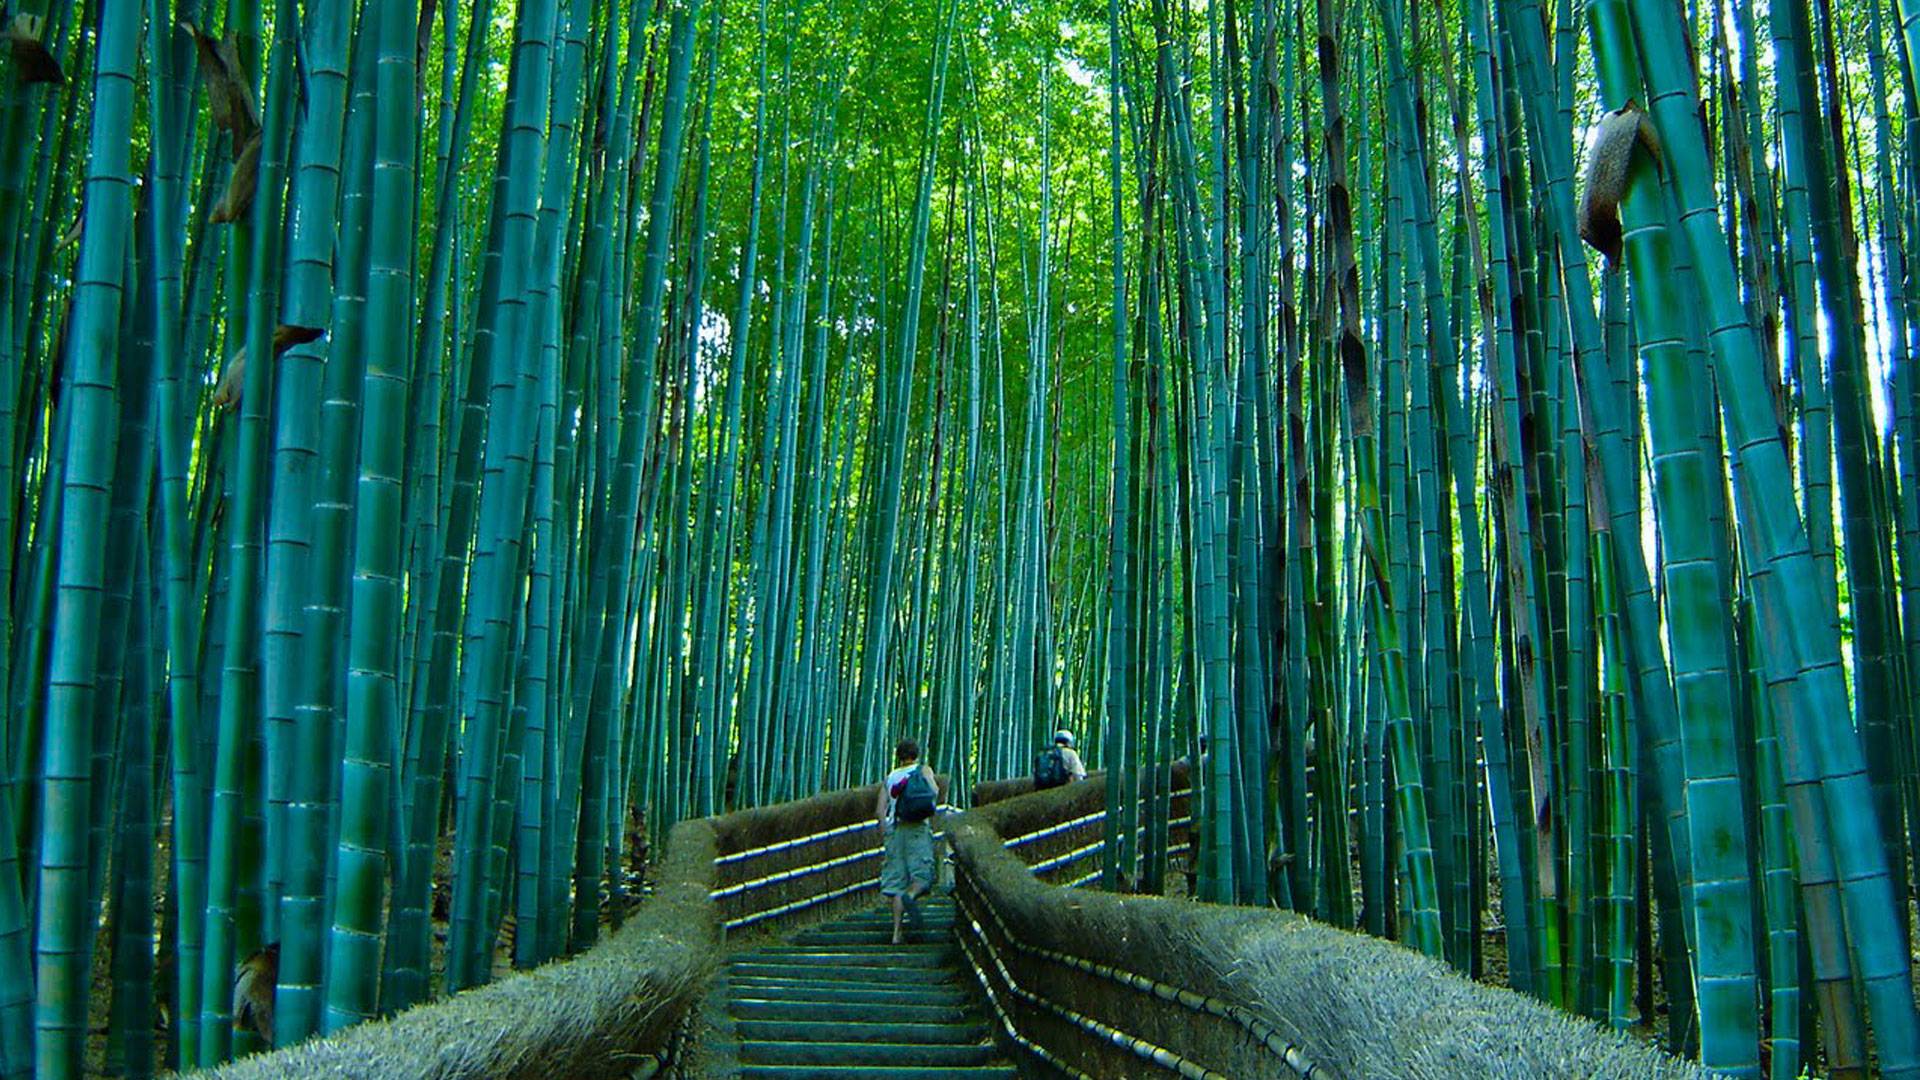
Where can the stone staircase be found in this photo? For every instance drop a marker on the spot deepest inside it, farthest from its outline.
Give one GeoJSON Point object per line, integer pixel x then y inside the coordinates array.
{"type": "Point", "coordinates": [839, 1000]}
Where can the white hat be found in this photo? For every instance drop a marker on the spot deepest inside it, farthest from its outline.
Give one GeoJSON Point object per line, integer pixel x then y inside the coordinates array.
{"type": "Point", "coordinates": [1063, 737]}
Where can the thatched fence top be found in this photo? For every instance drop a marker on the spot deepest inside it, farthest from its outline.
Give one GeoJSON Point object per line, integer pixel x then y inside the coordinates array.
{"type": "Point", "coordinates": [622, 1008]}
{"type": "Point", "coordinates": [618, 1010]}
{"type": "Point", "coordinates": [1094, 983]}
{"type": "Point", "coordinates": [1110, 985]}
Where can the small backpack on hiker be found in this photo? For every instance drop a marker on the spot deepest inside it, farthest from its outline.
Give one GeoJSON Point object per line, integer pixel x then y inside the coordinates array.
{"type": "Point", "coordinates": [1050, 769]}
{"type": "Point", "coordinates": [916, 799]}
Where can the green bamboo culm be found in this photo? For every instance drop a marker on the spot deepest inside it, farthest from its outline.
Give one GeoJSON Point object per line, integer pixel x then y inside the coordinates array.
{"type": "Point", "coordinates": [311, 280]}
{"type": "Point", "coordinates": [443, 448]}
{"type": "Point", "coordinates": [484, 676]}
{"type": "Point", "coordinates": [372, 704]}
{"type": "Point", "coordinates": [234, 915]}
{"type": "Point", "coordinates": [63, 939]}
{"type": "Point", "coordinates": [1383, 619]}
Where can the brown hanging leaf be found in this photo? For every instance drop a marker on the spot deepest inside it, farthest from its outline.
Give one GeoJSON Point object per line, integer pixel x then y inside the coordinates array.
{"type": "Point", "coordinates": [31, 58]}
{"type": "Point", "coordinates": [233, 380]}
{"type": "Point", "coordinates": [287, 335]}
{"type": "Point", "coordinates": [253, 983]}
{"type": "Point", "coordinates": [229, 90]}
{"type": "Point", "coordinates": [1622, 131]}
{"type": "Point", "coordinates": [238, 198]}
{"type": "Point", "coordinates": [226, 394]}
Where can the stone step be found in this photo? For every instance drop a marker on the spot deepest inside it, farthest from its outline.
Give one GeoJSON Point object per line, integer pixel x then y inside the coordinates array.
{"type": "Point", "coordinates": [840, 1000]}
{"type": "Point", "coordinates": [878, 1073]}
{"type": "Point", "coordinates": [874, 919]}
{"type": "Point", "coordinates": [788, 990]}
{"type": "Point", "coordinates": [925, 903]}
{"type": "Point", "coordinates": [797, 1052]}
{"type": "Point", "coordinates": [865, 1031]}
{"type": "Point", "coordinates": [935, 955]}
{"type": "Point", "coordinates": [883, 927]}
{"type": "Point", "coordinates": [929, 912]}
{"type": "Point", "coordinates": [877, 935]}
{"type": "Point", "coordinates": [818, 1012]}
{"type": "Point", "coordinates": [797, 943]}
{"type": "Point", "coordinates": [905, 975]}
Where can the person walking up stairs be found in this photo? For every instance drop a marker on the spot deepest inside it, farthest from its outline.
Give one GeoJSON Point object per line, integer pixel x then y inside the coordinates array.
{"type": "Point", "coordinates": [905, 806]}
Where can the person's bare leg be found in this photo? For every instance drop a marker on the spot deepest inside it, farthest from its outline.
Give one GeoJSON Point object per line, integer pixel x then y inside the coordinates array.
{"type": "Point", "coordinates": [908, 903]}
{"type": "Point", "coordinates": [898, 909]}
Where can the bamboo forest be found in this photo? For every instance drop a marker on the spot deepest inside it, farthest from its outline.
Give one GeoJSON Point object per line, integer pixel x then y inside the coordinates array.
{"type": "Point", "coordinates": [446, 443]}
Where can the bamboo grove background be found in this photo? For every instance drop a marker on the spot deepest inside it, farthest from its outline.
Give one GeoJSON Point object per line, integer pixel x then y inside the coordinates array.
{"type": "Point", "coordinates": [1481, 436]}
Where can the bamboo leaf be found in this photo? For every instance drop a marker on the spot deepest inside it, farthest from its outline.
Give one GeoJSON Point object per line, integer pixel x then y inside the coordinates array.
{"type": "Point", "coordinates": [30, 57]}
{"type": "Point", "coordinates": [227, 392]}
{"type": "Point", "coordinates": [1623, 132]}
{"type": "Point", "coordinates": [229, 89]}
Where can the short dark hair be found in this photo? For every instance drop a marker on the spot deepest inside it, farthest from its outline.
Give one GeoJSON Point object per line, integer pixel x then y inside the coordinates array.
{"type": "Point", "coordinates": [908, 750]}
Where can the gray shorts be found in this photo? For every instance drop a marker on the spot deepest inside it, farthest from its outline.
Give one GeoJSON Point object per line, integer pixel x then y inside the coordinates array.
{"type": "Point", "coordinates": [908, 858]}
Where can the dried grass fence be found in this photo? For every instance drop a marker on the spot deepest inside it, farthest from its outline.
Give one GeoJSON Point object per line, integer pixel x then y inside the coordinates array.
{"type": "Point", "coordinates": [1097, 984]}
{"type": "Point", "coordinates": [621, 1009]}
{"type": "Point", "coordinates": [624, 1008]}
{"type": "Point", "coordinates": [1093, 983]}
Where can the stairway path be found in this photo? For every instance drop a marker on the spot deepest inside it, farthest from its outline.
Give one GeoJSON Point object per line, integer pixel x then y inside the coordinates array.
{"type": "Point", "coordinates": [840, 1001]}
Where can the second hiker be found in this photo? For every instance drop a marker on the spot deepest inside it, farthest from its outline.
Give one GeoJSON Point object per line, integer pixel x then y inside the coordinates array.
{"type": "Point", "coordinates": [1059, 763]}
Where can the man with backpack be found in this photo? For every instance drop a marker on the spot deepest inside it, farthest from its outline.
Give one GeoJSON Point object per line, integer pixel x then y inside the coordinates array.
{"type": "Point", "coordinates": [908, 798]}
{"type": "Point", "coordinates": [1059, 763]}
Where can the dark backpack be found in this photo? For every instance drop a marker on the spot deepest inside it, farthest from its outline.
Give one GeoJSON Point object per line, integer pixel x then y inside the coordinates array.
{"type": "Point", "coordinates": [1051, 768]}
{"type": "Point", "coordinates": [916, 800]}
